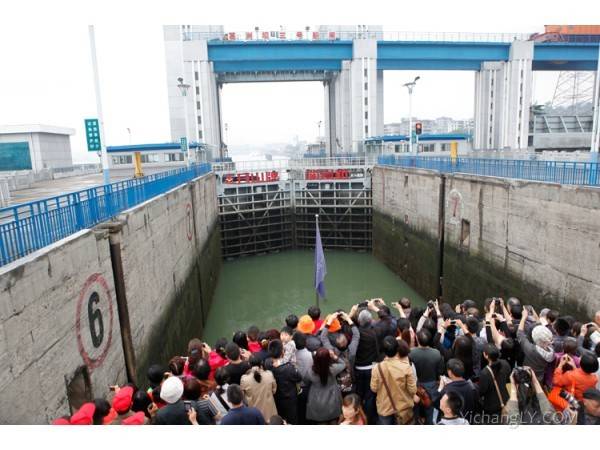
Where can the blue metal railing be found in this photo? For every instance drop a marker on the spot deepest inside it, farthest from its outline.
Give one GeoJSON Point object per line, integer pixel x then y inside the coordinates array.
{"type": "Point", "coordinates": [27, 227]}
{"type": "Point", "coordinates": [562, 172]}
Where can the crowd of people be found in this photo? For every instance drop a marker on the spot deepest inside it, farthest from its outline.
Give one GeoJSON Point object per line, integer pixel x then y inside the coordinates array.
{"type": "Point", "coordinates": [377, 364]}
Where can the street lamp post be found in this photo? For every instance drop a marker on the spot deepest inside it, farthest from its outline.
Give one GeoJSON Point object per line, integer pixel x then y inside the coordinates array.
{"type": "Point", "coordinates": [103, 151]}
{"type": "Point", "coordinates": [184, 89]}
{"type": "Point", "coordinates": [410, 86]}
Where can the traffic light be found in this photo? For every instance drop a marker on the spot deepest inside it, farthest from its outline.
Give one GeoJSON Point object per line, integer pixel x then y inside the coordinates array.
{"type": "Point", "coordinates": [418, 128]}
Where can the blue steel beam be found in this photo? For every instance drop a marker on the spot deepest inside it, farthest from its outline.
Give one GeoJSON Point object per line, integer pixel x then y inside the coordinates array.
{"type": "Point", "coordinates": [277, 65]}
{"type": "Point", "coordinates": [220, 51]}
{"type": "Point", "coordinates": [397, 55]}
{"type": "Point", "coordinates": [260, 56]}
{"type": "Point", "coordinates": [565, 56]}
{"type": "Point", "coordinates": [278, 56]}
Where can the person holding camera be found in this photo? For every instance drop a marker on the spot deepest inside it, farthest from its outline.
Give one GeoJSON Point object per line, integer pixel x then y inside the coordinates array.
{"type": "Point", "coordinates": [528, 404]}
{"type": "Point", "coordinates": [287, 378]}
{"type": "Point", "coordinates": [540, 353]}
{"type": "Point", "coordinates": [367, 353]}
{"type": "Point", "coordinates": [456, 382]}
{"type": "Point", "coordinates": [324, 403]}
{"type": "Point", "coordinates": [569, 377]}
{"type": "Point", "coordinates": [346, 352]}
{"type": "Point", "coordinates": [394, 384]}
{"type": "Point", "coordinates": [429, 365]}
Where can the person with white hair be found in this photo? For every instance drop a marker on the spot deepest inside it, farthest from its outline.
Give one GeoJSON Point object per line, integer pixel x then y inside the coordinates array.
{"type": "Point", "coordinates": [539, 353]}
{"type": "Point", "coordinates": [367, 353]}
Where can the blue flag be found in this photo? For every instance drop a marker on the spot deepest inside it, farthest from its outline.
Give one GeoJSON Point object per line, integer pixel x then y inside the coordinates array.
{"type": "Point", "coordinates": [320, 267]}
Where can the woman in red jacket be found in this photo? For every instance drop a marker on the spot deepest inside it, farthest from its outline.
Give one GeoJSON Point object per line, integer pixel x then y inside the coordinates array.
{"type": "Point", "coordinates": [576, 380]}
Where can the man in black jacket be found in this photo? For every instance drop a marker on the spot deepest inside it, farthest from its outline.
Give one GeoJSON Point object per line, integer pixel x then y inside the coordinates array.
{"type": "Point", "coordinates": [465, 388]}
{"type": "Point", "coordinates": [367, 353]}
{"type": "Point", "coordinates": [287, 377]}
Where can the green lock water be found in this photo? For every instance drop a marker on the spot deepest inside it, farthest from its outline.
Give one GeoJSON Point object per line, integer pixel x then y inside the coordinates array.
{"type": "Point", "coordinates": [262, 290]}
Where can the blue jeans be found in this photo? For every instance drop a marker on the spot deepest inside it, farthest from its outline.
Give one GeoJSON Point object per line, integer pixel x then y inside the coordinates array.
{"type": "Point", "coordinates": [387, 420]}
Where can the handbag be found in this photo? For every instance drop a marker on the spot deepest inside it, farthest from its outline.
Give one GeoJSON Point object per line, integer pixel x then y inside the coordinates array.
{"type": "Point", "coordinates": [401, 418]}
{"type": "Point", "coordinates": [424, 397]}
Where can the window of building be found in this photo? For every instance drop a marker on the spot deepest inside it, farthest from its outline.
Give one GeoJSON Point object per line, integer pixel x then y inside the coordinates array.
{"type": "Point", "coordinates": [366, 114]}
{"type": "Point", "coordinates": [151, 158]}
{"type": "Point", "coordinates": [366, 72]}
{"type": "Point", "coordinates": [197, 90]}
{"type": "Point", "coordinates": [172, 157]}
{"type": "Point", "coordinates": [366, 101]}
{"type": "Point", "coordinates": [199, 120]}
{"type": "Point", "coordinates": [366, 85]}
{"type": "Point", "coordinates": [199, 134]}
{"type": "Point", "coordinates": [198, 106]}
{"type": "Point", "coordinates": [15, 156]}
{"type": "Point", "coordinates": [366, 129]}
{"type": "Point", "coordinates": [196, 75]}
{"type": "Point", "coordinates": [444, 147]}
{"type": "Point", "coordinates": [427, 147]}
{"type": "Point", "coordinates": [122, 159]}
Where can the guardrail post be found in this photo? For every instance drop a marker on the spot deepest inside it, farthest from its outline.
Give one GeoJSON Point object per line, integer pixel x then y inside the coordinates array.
{"type": "Point", "coordinates": [19, 235]}
{"type": "Point", "coordinates": [79, 222]}
{"type": "Point", "coordinates": [593, 176]}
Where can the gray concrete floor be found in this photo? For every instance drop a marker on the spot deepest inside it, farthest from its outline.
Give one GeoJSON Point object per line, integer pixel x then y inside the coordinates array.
{"type": "Point", "coordinates": [52, 188]}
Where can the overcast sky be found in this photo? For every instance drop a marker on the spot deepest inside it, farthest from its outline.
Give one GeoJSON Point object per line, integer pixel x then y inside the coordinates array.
{"type": "Point", "coordinates": [46, 77]}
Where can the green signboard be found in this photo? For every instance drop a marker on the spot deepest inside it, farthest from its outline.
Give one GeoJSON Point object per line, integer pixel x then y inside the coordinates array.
{"type": "Point", "coordinates": [184, 144]}
{"type": "Point", "coordinates": [92, 135]}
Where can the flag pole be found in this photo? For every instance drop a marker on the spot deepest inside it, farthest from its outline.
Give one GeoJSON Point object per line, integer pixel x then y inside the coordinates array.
{"type": "Point", "coordinates": [316, 227]}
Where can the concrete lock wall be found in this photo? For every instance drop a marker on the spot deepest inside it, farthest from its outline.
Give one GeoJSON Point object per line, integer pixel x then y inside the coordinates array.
{"type": "Point", "coordinates": [59, 311]}
{"type": "Point", "coordinates": [536, 241]}
{"type": "Point", "coordinates": [171, 264]}
{"type": "Point", "coordinates": [45, 328]}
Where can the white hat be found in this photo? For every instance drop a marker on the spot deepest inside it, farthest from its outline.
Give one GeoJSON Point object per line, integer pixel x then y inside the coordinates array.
{"type": "Point", "coordinates": [171, 390]}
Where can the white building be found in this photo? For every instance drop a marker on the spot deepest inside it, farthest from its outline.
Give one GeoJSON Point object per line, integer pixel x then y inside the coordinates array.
{"type": "Point", "coordinates": [154, 157]}
{"type": "Point", "coordinates": [35, 147]}
{"type": "Point", "coordinates": [429, 144]}
{"type": "Point", "coordinates": [353, 95]}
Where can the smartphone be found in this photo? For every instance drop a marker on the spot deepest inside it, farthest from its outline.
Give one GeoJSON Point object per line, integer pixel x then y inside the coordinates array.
{"type": "Point", "coordinates": [188, 405]}
{"type": "Point", "coordinates": [453, 322]}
